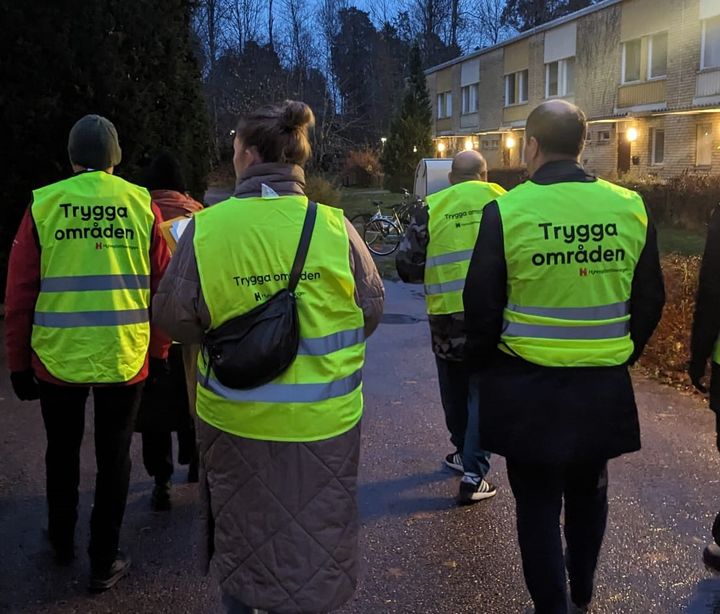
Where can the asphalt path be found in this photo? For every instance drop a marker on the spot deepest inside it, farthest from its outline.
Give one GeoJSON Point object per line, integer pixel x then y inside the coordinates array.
{"type": "Point", "coordinates": [420, 553]}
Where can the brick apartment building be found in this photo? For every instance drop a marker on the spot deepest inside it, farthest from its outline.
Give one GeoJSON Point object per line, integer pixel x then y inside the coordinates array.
{"type": "Point", "coordinates": [646, 73]}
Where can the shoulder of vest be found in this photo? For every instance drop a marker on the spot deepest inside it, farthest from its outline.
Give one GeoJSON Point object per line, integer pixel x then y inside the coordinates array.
{"type": "Point", "coordinates": [618, 189]}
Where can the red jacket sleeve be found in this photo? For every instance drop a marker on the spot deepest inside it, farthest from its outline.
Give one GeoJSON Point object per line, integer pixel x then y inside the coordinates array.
{"type": "Point", "coordinates": [21, 294]}
{"type": "Point", "coordinates": [159, 260]}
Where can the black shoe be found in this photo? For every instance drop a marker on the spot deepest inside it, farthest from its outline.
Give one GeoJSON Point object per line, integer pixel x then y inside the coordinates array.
{"type": "Point", "coordinates": [472, 492]}
{"type": "Point", "coordinates": [160, 499]}
{"type": "Point", "coordinates": [104, 579]}
{"type": "Point", "coordinates": [711, 557]}
{"type": "Point", "coordinates": [454, 461]}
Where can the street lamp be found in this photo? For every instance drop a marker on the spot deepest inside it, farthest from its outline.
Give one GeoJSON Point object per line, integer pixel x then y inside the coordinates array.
{"type": "Point", "coordinates": [383, 140]}
{"type": "Point", "coordinates": [632, 135]}
{"type": "Point", "coordinates": [414, 148]}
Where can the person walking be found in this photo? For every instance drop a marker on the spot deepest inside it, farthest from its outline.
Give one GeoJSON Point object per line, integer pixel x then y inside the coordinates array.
{"type": "Point", "coordinates": [436, 251]}
{"type": "Point", "coordinates": [166, 402]}
{"type": "Point", "coordinates": [705, 346]}
{"type": "Point", "coordinates": [86, 260]}
{"type": "Point", "coordinates": [279, 461]}
{"type": "Point", "coordinates": [563, 292]}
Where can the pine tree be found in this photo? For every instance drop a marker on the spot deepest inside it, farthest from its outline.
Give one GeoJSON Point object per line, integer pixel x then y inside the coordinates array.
{"type": "Point", "coordinates": [129, 60]}
{"type": "Point", "coordinates": [410, 137]}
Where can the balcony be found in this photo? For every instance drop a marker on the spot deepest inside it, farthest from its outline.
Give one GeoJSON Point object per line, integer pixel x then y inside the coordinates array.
{"type": "Point", "coordinates": [515, 113]}
{"type": "Point", "coordinates": [638, 94]}
{"type": "Point", "coordinates": [708, 84]}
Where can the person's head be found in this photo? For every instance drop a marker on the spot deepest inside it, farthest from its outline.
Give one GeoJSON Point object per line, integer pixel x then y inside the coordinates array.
{"type": "Point", "coordinates": [164, 173]}
{"type": "Point", "coordinates": [555, 130]}
{"type": "Point", "coordinates": [276, 133]}
{"type": "Point", "coordinates": [468, 166]}
{"type": "Point", "coordinates": [93, 144]}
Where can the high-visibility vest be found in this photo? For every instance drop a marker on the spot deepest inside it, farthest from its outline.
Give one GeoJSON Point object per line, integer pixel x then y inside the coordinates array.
{"type": "Point", "coordinates": [454, 220]}
{"type": "Point", "coordinates": [91, 321]}
{"type": "Point", "coordinates": [244, 250]}
{"type": "Point", "coordinates": [571, 250]}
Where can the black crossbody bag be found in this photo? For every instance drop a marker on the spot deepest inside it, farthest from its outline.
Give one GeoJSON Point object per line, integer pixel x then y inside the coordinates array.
{"type": "Point", "coordinates": [256, 347]}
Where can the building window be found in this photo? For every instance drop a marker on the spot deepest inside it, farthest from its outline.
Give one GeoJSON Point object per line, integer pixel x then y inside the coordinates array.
{"type": "Point", "coordinates": [657, 146]}
{"type": "Point", "coordinates": [603, 137]}
{"type": "Point", "coordinates": [710, 57]}
{"type": "Point", "coordinates": [631, 61]}
{"type": "Point", "coordinates": [470, 99]}
{"type": "Point", "coordinates": [444, 105]}
{"type": "Point", "coordinates": [491, 145]}
{"type": "Point", "coordinates": [657, 52]}
{"type": "Point", "coordinates": [704, 145]}
{"type": "Point", "coordinates": [516, 88]}
{"type": "Point", "coordinates": [560, 78]}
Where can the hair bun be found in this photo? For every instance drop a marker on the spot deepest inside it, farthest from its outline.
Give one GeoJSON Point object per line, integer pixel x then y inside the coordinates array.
{"type": "Point", "coordinates": [295, 115]}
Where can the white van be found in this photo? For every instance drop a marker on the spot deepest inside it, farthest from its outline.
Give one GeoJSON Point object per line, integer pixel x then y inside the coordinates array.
{"type": "Point", "coordinates": [431, 175]}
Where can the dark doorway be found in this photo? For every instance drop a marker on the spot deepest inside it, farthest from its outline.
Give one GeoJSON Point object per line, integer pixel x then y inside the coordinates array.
{"type": "Point", "coordinates": [623, 158]}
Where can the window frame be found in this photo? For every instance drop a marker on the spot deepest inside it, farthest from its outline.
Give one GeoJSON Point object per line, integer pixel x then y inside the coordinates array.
{"type": "Point", "coordinates": [653, 147]}
{"type": "Point", "coordinates": [698, 127]}
{"type": "Point", "coordinates": [523, 81]}
{"type": "Point", "coordinates": [650, 37]}
{"type": "Point", "coordinates": [469, 109]}
{"type": "Point", "coordinates": [562, 78]}
{"type": "Point", "coordinates": [624, 62]}
{"type": "Point", "coordinates": [444, 104]}
{"type": "Point", "coordinates": [704, 42]}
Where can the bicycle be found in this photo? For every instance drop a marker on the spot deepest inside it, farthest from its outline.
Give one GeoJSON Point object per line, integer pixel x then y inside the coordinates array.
{"type": "Point", "coordinates": [382, 233]}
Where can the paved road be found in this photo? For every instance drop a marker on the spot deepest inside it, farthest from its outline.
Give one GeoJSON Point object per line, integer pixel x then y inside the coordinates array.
{"type": "Point", "coordinates": [421, 554]}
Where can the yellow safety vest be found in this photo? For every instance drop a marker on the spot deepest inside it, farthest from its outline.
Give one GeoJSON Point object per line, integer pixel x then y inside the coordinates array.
{"type": "Point", "coordinates": [454, 220]}
{"type": "Point", "coordinates": [571, 251]}
{"type": "Point", "coordinates": [245, 250]}
{"type": "Point", "coordinates": [91, 321]}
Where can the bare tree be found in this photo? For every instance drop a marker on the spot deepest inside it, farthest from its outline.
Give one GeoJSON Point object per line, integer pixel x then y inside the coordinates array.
{"type": "Point", "coordinates": [431, 18]}
{"type": "Point", "coordinates": [208, 18]}
{"type": "Point", "coordinates": [382, 11]}
{"type": "Point", "coordinates": [486, 25]}
{"type": "Point", "coordinates": [243, 21]}
{"type": "Point", "coordinates": [271, 39]}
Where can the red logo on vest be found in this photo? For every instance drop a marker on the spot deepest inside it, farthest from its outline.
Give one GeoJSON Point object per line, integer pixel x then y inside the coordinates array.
{"type": "Point", "coordinates": [583, 272]}
{"type": "Point", "coordinates": [98, 245]}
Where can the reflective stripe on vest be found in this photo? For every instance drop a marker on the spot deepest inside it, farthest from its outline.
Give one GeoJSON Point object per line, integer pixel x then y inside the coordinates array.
{"type": "Point", "coordinates": [320, 395]}
{"type": "Point", "coordinates": [91, 322]}
{"type": "Point", "coordinates": [286, 393]}
{"type": "Point", "coordinates": [570, 250]}
{"type": "Point", "coordinates": [453, 222]}
{"type": "Point", "coordinates": [95, 282]}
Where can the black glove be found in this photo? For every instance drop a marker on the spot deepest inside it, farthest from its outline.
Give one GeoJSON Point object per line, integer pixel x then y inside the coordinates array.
{"type": "Point", "coordinates": [24, 384]}
{"type": "Point", "coordinates": [696, 371]}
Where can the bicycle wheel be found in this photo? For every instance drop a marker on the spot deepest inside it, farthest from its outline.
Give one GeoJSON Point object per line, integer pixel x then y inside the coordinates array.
{"type": "Point", "coordinates": [359, 222]}
{"type": "Point", "coordinates": [382, 236]}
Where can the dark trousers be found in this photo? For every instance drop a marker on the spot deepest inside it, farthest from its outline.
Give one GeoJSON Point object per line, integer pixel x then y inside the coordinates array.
{"type": "Point", "coordinates": [63, 411]}
{"type": "Point", "coordinates": [539, 492]}
{"type": "Point", "coordinates": [157, 449]}
{"type": "Point", "coordinates": [157, 455]}
{"type": "Point", "coordinates": [461, 400]}
{"type": "Point", "coordinates": [454, 383]}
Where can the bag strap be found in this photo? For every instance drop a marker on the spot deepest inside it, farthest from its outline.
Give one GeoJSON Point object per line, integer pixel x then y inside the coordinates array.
{"type": "Point", "coordinates": [304, 245]}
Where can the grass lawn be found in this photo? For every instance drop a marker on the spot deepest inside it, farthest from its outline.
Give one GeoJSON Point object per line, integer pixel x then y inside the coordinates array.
{"type": "Point", "coordinates": [679, 241]}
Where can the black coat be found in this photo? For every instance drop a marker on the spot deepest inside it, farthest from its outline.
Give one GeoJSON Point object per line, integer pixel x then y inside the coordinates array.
{"type": "Point", "coordinates": [164, 405]}
{"type": "Point", "coordinates": [706, 323]}
{"type": "Point", "coordinates": [542, 414]}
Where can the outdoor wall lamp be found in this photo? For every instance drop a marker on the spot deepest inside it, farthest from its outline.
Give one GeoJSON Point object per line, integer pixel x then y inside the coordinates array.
{"type": "Point", "coordinates": [632, 135]}
{"type": "Point", "coordinates": [510, 142]}
{"type": "Point", "coordinates": [468, 144]}
{"type": "Point", "coordinates": [441, 147]}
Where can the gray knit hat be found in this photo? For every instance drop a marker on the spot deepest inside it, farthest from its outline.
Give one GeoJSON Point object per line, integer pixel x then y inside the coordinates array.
{"type": "Point", "coordinates": [93, 143]}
